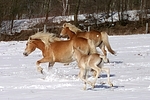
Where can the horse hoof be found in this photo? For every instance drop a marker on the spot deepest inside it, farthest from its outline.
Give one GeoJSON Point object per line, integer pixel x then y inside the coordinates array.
{"type": "Point", "coordinates": [84, 89]}
{"type": "Point", "coordinates": [93, 86]}
{"type": "Point", "coordinates": [111, 85]}
{"type": "Point", "coordinates": [108, 60]}
{"type": "Point", "coordinates": [40, 70]}
{"type": "Point", "coordinates": [66, 64]}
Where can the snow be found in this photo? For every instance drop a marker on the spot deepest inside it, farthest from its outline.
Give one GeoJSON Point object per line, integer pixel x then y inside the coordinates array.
{"type": "Point", "coordinates": [129, 71]}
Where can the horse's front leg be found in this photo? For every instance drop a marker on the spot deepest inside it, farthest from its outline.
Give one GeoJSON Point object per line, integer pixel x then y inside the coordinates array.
{"type": "Point", "coordinates": [39, 68]}
{"type": "Point", "coordinates": [83, 76]}
{"type": "Point", "coordinates": [97, 73]}
{"type": "Point", "coordinates": [50, 65]}
{"type": "Point", "coordinates": [107, 70]}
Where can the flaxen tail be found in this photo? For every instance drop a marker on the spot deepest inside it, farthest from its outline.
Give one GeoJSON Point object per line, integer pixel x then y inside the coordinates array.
{"type": "Point", "coordinates": [92, 46]}
{"type": "Point", "coordinates": [106, 42]}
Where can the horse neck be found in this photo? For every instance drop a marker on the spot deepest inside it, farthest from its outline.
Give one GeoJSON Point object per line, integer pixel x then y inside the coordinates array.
{"type": "Point", "coordinates": [40, 45]}
{"type": "Point", "coordinates": [78, 33]}
{"type": "Point", "coordinates": [71, 34]}
{"type": "Point", "coordinates": [79, 55]}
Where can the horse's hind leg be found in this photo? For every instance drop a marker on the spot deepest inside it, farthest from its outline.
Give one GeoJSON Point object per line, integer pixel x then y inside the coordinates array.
{"type": "Point", "coordinates": [102, 47]}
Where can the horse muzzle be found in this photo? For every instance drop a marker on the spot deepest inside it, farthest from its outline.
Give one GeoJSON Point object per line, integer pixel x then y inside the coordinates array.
{"type": "Point", "coordinates": [25, 54]}
{"type": "Point", "coordinates": [61, 36]}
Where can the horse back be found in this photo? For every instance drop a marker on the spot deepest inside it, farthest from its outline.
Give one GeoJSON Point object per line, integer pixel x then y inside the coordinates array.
{"type": "Point", "coordinates": [82, 44]}
{"type": "Point", "coordinates": [92, 35]}
{"type": "Point", "coordinates": [82, 34]}
{"type": "Point", "coordinates": [90, 60]}
{"type": "Point", "coordinates": [62, 51]}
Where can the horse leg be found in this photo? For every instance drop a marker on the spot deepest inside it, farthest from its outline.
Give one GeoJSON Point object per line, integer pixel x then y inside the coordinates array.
{"type": "Point", "coordinates": [66, 64]}
{"type": "Point", "coordinates": [102, 47]}
{"type": "Point", "coordinates": [39, 68]}
{"type": "Point", "coordinates": [82, 76]}
{"type": "Point", "coordinates": [93, 72]}
{"type": "Point", "coordinates": [50, 65]}
{"type": "Point", "coordinates": [97, 72]}
{"type": "Point", "coordinates": [107, 70]}
{"type": "Point", "coordinates": [85, 77]}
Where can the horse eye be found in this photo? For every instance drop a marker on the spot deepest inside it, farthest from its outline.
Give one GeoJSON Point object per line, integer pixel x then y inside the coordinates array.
{"type": "Point", "coordinates": [26, 44]}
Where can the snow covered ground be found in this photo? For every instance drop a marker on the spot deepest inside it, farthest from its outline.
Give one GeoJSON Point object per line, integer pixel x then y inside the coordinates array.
{"type": "Point", "coordinates": [130, 74]}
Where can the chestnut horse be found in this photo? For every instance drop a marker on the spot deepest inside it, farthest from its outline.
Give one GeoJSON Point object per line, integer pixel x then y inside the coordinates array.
{"type": "Point", "coordinates": [100, 39]}
{"type": "Point", "coordinates": [88, 62]}
{"type": "Point", "coordinates": [58, 51]}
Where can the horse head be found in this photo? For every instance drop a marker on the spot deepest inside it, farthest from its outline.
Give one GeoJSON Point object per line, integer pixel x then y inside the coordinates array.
{"type": "Point", "coordinates": [72, 27]}
{"type": "Point", "coordinates": [64, 32]}
{"type": "Point", "coordinates": [105, 59]}
{"type": "Point", "coordinates": [30, 47]}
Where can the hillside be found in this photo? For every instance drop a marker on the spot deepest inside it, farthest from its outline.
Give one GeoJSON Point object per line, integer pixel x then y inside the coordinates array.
{"type": "Point", "coordinates": [25, 27]}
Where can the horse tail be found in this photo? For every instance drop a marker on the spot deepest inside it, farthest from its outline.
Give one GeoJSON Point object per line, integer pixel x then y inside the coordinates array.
{"type": "Point", "coordinates": [106, 42]}
{"type": "Point", "coordinates": [92, 46]}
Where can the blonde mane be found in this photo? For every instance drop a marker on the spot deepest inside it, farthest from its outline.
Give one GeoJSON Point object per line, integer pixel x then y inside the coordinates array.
{"type": "Point", "coordinates": [46, 38]}
{"type": "Point", "coordinates": [72, 27]}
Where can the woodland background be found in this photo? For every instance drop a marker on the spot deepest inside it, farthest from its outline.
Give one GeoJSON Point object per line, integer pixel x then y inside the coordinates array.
{"type": "Point", "coordinates": [26, 9]}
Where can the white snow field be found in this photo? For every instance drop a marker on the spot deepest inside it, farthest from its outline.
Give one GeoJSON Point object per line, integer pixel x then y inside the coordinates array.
{"type": "Point", "coordinates": [129, 71]}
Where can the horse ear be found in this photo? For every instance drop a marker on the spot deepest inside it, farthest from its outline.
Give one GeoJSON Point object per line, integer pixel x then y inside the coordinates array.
{"type": "Point", "coordinates": [30, 38]}
{"type": "Point", "coordinates": [64, 25]}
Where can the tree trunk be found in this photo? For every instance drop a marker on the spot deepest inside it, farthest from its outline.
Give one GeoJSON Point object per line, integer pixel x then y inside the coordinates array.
{"type": "Point", "coordinates": [108, 8]}
{"type": "Point", "coordinates": [76, 13]}
{"type": "Point", "coordinates": [142, 11]}
{"type": "Point", "coordinates": [118, 3]}
{"type": "Point", "coordinates": [47, 9]}
{"type": "Point", "coordinates": [65, 6]}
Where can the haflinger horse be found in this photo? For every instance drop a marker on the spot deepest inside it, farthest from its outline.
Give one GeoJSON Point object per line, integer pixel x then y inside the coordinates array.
{"type": "Point", "coordinates": [57, 51]}
{"type": "Point", "coordinates": [88, 62]}
{"type": "Point", "coordinates": [100, 39]}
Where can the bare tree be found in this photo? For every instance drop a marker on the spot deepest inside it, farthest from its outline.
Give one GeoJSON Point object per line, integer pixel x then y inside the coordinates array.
{"type": "Point", "coordinates": [143, 11]}
{"type": "Point", "coordinates": [76, 12]}
{"type": "Point", "coordinates": [65, 6]}
{"type": "Point", "coordinates": [14, 11]}
{"type": "Point", "coordinates": [47, 9]}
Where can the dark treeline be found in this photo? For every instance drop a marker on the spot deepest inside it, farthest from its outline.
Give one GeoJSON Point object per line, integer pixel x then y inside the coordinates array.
{"type": "Point", "coordinates": [19, 9]}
